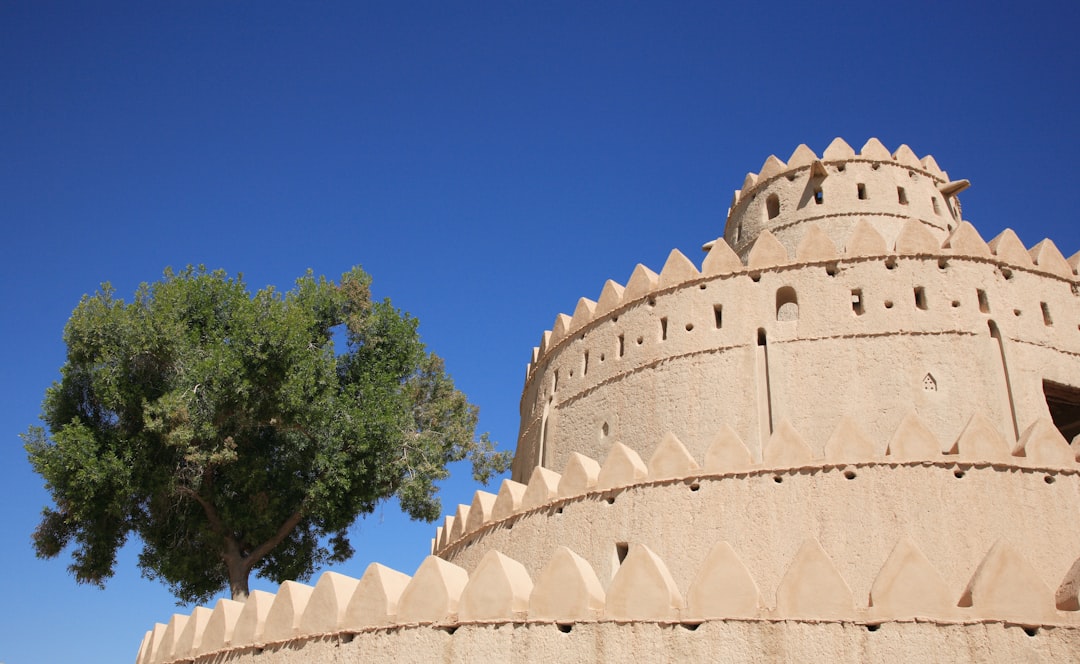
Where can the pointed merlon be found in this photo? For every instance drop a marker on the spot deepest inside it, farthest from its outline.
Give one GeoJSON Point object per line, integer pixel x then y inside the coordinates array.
{"type": "Point", "coordinates": [966, 241]}
{"type": "Point", "coordinates": [1009, 249]}
{"type": "Point", "coordinates": [508, 500]}
{"type": "Point", "coordinates": [786, 448]}
{"type": "Point", "coordinates": [480, 511]}
{"type": "Point", "coordinates": [812, 588]}
{"type": "Point", "coordinates": [560, 329]}
{"type": "Point", "coordinates": [219, 628]}
{"type": "Point", "coordinates": [154, 652]}
{"type": "Point", "coordinates": [771, 168]}
{"type": "Point", "coordinates": [566, 589]}
{"type": "Point", "coordinates": [671, 459]}
{"type": "Point", "coordinates": [727, 453]}
{"type": "Point", "coordinates": [643, 589]}
{"type": "Point", "coordinates": [981, 441]}
{"type": "Point", "coordinates": [190, 639]}
{"type": "Point", "coordinates": [849, 444]}
{"type": "Point", "coordinates": [749, 181]}
{"type": "Point", "coordinates": [622, 467]}
{"type": "Point", "coordinates": [767, 252]}
{"type": "Point", "coordinates": [328, 603]}
{"type": "Point", "coordinates": [461, 520]}
{"type": "Point", "coordinates": [1041, 444]}
{"type": "Point", "coordinates": [1074, 262]}
{"type": "Point", "coordinates": [873, 149]}
{"type": "Point", "coordinates": [498, 589]}
{"type": "Point", "coordinates": [1006, 587]}
{"type": "Point", "coordinates": [611, 297]}
{"type": "Point", "coordinates": [906, 157]}
{"type": "Point", "coordinates": [815, 246]}
{"type": "Point", "coordinates": [172, 635]}
{"type": "Point", "coordinates": [678, 269]}
{"type": "Point", "coordinates": [912, 441]}
{"type": "Point", "coordinates": [723, 587]}
{"type": "Point", "coordinates": [864, 241]}
{"type": "Point", "coordinates": [721, 259]}
{"type": "Point", "coordinates": [290, 603]}
{"type": "Point", "coordinates": [931, 166]}
{"type": "Point", "coordinates": [909, 586]}
{"type": "Point", "coordinates": [433, 593]}
{"type": "Point", "coordinates": [583, 314]}
{"type": "Point", "coordinates": [448, 527]}
{"type": "Point", "coordinates": [1067, 597]}
{"type": "Point", "coordinates": [252, 618]}
{"type": "Point", "coordinates": [802, 156]}
{"type": "Point", "coordinates": [374, 602]}
{"type": "Point", "coordinates": [543, 488]}
{"type": "Point", "coordinates": [838, 150]}
{"type": "Point", "coordinates": [144, 648]}
{"type": "Point", "coordinates": [915, 239]}
{"type": "Point", "coordinates": [579, 477]}
{"type": "Point", "coordinates": [642, 282]}
{"type": "Point", "coordinates": [545, 342]}
{"type": "Point", "coordinates": [1047, 257]}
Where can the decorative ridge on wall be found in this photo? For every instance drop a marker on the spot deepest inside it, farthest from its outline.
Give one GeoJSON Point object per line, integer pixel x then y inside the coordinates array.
{"type": "Point", "coordinates": [1041, 447]}
{"type": "Point", "coordinates": [767, 254]}
{"type": "Point", "coordinates": [908, 587]}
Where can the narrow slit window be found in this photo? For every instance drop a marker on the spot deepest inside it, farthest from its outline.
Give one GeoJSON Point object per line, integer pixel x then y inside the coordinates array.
{"type": "Point", "coordinates": [937, 206]}
{"type": "Point", "coordinates": [622, 345]}
{"type": "Point", "coordinates": [819, 196]}
{"type": "Point", "coordinates": [901, 195]}
{"type": "Point", "coordinates": [862, 191]}
{"type": "Point", "coordinates": [857, 302]}
{"type": "Point", "coordinates": [1047, 320]}
{"type": "Point", "coordinates": [920, 298]}
{"type": "Point", "coordinates": [772, 206]}
{"type": "Point", "coordinates": [984, 304]}
{"type": "Point", "coordinates": [621, 549]}
{"type": "Point", "coordinates": [663, 329]}
{"type": "Point", "coordinates": [585, 366]}
{"type": "Point", "coordinates": [555, 384]}
{"type": "Point", "coordinates": [718, 315]}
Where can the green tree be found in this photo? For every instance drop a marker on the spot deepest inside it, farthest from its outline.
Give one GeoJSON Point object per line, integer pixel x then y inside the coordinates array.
{"type": "Point", "coordinates": [227, 432]}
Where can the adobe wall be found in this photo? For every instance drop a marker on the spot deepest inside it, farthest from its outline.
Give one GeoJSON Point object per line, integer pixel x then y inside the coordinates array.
{"type": "Point", "coordinates": [944, 331]}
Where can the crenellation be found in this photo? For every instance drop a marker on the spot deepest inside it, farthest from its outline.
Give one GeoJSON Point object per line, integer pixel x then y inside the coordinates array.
{"type": "Point", "coordinates": [966, 241]}
{"type": "Point", "coordinates": [678, 269]}
{"type": "Point", "coordinates": [498, 589]}
{"type": "Point", "coordinates": [252, 619]}
{"type": "Point", "coordinates": [509, 500]}
{"type": "Point", "coordinates": [642, 282]}
{"type": "Point", "coordinates": [580, 476]}
{"type": "Point", "coordinates": [1048, 258]}
{"type": "Point", "coordinates": [566, 589]}
{"type": "Point", "coordinates": [671, 459]}
{"type": "Point", "coordinates": [812, 588]}
{"type": "Point", "coordinates": [623, 466]}
{"type": "Point", "coordinates": [481, 511]}
{"type": "Point", "coordinates": [723, 588]}
{"type": "Point", "coordinates": [286, 612]}
{"type": "Point", "coordinates": [643, 589]}
{"type": "Point", "coordinates": [328, 605]}
{"type": "Point", "coordinates": [167, 650]}
{"type": "Point", "coordinates": [864, 241]}
{"type": "Point", "coordinates": [218, 633]}
{"type": "Point", "coordinates": [375, 599]}
{"type": "Point", "coordinates": [433, 593]}
{"type": "Point", "coordinates": [1006, 586]}
{"type": "Point", "coordinates": [910, 587]}
{"type": "Point", "coordinates": [189, 641]}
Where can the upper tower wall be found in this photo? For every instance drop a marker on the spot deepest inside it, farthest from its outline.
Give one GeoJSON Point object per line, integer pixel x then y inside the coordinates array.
{"type": "Point", "coordinates": [838, 189]}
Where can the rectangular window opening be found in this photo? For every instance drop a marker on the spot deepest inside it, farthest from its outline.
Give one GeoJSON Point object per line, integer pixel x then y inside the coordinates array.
{"type": "Point", "coordinates": [819, 196]}
{"type": "Point", "coordinates": [984, 304]}
{"type": "Point", "coordinates": [1064, 404]}
{"type": "Point", "coordinates": [585, 368]}
{"type": "Point", "coordinates": [1047, 320]}
{"type": "Point", "coordinates": [920, 298]}
{"type": "Point", "coordinates": [937, 206]}
{"type": "Point", "coordinates": [622, 345]}
{"type": "Point", "coordinates": [663, 329]}
{"type": "Point", "coordinates": [857, 301]}
{"type": "Point", "coordinates": [862, 191]}
{"type": "Point", "coordinates": [901, 195]}
{"type": "Point", "coordinates": [718, 315]}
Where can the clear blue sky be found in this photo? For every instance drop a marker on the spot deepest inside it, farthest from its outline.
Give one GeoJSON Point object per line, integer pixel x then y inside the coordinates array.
{"type": "Point", "coordinates": [488, 163]}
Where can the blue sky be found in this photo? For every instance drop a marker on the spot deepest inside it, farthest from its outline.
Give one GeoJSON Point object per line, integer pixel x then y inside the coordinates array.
{"type": "Point", "coordinates": [487, 163]}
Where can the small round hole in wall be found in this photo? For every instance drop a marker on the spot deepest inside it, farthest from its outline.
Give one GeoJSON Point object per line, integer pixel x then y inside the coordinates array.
{"type": "Point", "coordinates": [1049, 479]}
{"type": "Point", "coordinates": [830, 269]}
{"type": "Point", "coordinates": [755, 277]}
{"type": "Point", "coordinates": [695, 486]}
{"type": "Point", "coordinates": [652, 301]}
{"type": "Point", "coordinates": [1031, 631]}
{"type": "Point", "coordinates": [888, 304]}
{"type": "Point", "coordinates": [942, 263]}
{"type": "Point", "coordinates": [702, 286]}
{"type": "Point", "coordinates": [640, 340]}
{"type": "Point", "coordinates": [571, 373]}
{"type": "Point", "coordinates": [872, 627]}
{"type": "Point", "coordinates": [689, 327]}
{"type": "Point", "coordinates": [840, 168]}
{"type": "Point", "coordinates": [690, 626]}
{"type": "Point", "coordinates": [791, 177]}
{"type": "Point", "coordinates": [955, 303]}
{"type": "Point", "coordinates": [610, 500]}
{"type": "Point", "coordinates": [601, 357]}
{"type": "Point", "coordinates": [346, 638]}
{"type": "Point", "coordinates": [614, 319]}
{"type": "Point", "coordinates": [777, 479]}
{"type": "Point", "coordinates": [890, 263]}
{"type": "Point", "coordinates": [849, 474]}
{"type": "Point", "coordinates": [1007, 273]}
{"type": "Point", "coordinates": [604, 429]}
{"type": "Point", "coordinates": [875, 166]}
{"type": "Point", "coordinates": [565, 628]}
{"type": "Point", "coordinates": [1016, 312]}
{"type": "Point", "coordinates": [958, 474]}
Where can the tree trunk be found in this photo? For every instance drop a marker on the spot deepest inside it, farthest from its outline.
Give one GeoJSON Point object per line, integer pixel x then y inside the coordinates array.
{"type": "Point", "coordinates": [238, 584]}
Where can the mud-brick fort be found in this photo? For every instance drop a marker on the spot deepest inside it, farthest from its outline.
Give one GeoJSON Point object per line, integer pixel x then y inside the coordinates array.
{"type": "Point", "coordinates": [844, 436]}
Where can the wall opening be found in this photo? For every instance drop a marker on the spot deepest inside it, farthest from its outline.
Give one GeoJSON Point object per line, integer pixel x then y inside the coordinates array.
{"type": "Point", "coordinates": [718, 315]}
{"type": "Point", "coordinates": [819, 196]}
{"type": "Point", "coordinates": [1064, 404]}
{"type": "Point", "coordinates": [901, 195]}
{"type": "Point", "coordinates": [862, 191]}
{"type": "Point", "coordinates": [663, 329]}
{"type": "Point", "coordinates": [920, 298]}
{"type": "Point", "coordinates": [857, 302]}
{"type": "Point", "coordinates": [937, 206]}
{"type": "Point", "coordinates": [787, 304]}
{"type": "Point", "coordinates": [772, 206]}
{"type": "Point", "coordinates": [618, 556]}
{"type": "Point", "coordinates": [585, 365]}
{"type": "Point", "coordinates": [995, 334]}
{"type": "Point", "coordinates": [764, 391]}
{"type": "Point", "coordinates": [622, 345]}
{"type": "Point", "coordinates": [541, 453]}
{"type": "Point", "coordinates": [555, 383]}
{"type": "Point", "coordinates": [1047, 320]}
{"type": "Point", "coordinates": [984, 304]}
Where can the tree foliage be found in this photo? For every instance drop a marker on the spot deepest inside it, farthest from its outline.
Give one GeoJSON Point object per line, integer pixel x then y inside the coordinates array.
{"type": "Point", "coordinates": [228, 433]}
